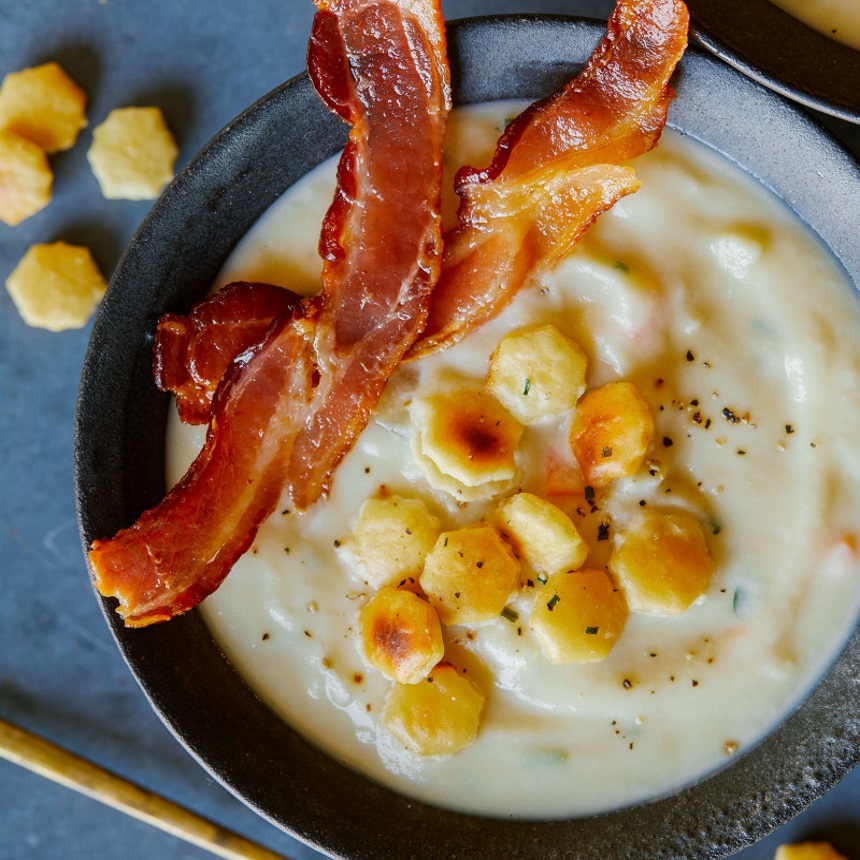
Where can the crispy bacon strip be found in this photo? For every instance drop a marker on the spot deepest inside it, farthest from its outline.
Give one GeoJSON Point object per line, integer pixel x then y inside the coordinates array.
{"type": "Point", "coordinates": [614, 110]}
{"type": "Point", "coordinates": [289, 409]}
{"type": "Point", "coordinates": [381, 238]}
{"type": "Point", "coordinates": [509, 232]}
{"type": "Point", "coordinates": [180, 551]}
{"type": "Point", "coordinates": [191, 353]}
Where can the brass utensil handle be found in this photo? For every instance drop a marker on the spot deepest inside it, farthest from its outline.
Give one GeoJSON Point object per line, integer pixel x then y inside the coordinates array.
{"type": "Point", "coordinates": [42, 757]}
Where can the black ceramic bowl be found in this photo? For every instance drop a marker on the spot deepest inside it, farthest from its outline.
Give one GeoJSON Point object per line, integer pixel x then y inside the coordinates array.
{"type": "Point", "coordinates": [120, 466]}
{"type": "Point", "coordinates": [772, 47]}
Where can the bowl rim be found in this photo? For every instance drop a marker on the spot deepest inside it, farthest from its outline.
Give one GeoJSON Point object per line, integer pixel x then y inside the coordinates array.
{"type": "Point", "coordinates": [119, 469]}
{"type": "Point", "coordinates": [771, 46]}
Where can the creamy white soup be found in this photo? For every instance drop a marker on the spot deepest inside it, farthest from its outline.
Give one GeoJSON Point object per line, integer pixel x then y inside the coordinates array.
{"type": "Point", "coordinates": [838, 19]}
{"type": "Point", "coordinates": [744, 338]}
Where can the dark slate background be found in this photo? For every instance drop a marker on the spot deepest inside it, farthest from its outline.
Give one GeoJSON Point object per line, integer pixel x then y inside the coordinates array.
{"type": "Point", "coordinates": [202, 62]}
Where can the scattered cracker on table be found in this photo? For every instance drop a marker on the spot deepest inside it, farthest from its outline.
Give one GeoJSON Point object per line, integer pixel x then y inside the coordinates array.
{"type": "Point", "coordinates": [808, 851]}
{"type": "Point", "coordinates": [56, 286]}
{"type": "Point", "coordinates": [25, 178]}
{"type": "Point", "coordinates": [133, 154]}
{"type": "Point", "coordinates": [44, 105]}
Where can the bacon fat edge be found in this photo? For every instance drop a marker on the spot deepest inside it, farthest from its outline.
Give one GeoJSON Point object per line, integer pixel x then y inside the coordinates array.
{"type": "Point", "coordinates": [289, 408]}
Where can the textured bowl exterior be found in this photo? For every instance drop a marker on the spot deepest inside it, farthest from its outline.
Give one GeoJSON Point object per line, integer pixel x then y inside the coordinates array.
{"type": "Point", "coordinates": [119, 462]}
{"type": "Point", "coordinates": [777, 50]}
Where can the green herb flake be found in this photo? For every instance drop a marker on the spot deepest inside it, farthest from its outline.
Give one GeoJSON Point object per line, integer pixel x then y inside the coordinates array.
{"type": "Point", "coordinates": [621, 266]}
{"type": "Point", "coordinates": [510, 615]}
{"type": "Point", "coordinates": [552, 602]}
{"type": "Point", "coordinates": [546, 756]}
{"type": "Point", "coordinates": [737, 599]}
{"type": "Point", "coordinates": [526, 387]}
{"type": "Point", "coordinates": [591, 631]}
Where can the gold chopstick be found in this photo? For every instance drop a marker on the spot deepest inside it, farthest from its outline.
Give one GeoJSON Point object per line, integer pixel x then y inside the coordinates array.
{"type": "Point", "coordinates": [46, 759]}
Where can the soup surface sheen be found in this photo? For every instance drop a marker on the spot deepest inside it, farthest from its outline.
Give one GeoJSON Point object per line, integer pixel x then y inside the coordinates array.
{"type": "Point", "coordinates": [742, 334]}
{"type": "Point", "coordinates": [838, 19]}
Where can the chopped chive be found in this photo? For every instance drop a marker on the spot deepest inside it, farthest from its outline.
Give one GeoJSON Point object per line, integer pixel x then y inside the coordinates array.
{"type": "Point", "coordinates": [527, 386]}
{"type": "Point", "coordinates": [510, 615]}
{"type": "Point", "coordinates": [546, 756]}
{"type": "Point", "coordinates": [591, 631]}
{"type": "Point", "coordinates": [552, 602]}
{"type": "Point", "coordinates": [622, 267]}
